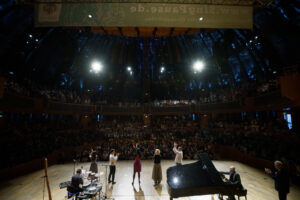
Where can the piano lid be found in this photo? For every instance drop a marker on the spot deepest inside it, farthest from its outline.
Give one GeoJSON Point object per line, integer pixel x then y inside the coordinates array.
{"type": "Point", "coordinates": [199, 174]}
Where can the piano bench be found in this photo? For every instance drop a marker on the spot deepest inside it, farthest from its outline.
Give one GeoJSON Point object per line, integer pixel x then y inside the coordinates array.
{"type": "Point", "coordinates": [243, 193]}
{"type": "Point", "coordinates": [240, 193]}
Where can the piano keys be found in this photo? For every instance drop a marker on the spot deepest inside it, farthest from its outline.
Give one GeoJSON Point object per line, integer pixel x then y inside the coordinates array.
{"type": "Point", "coordinates": [199, 178]}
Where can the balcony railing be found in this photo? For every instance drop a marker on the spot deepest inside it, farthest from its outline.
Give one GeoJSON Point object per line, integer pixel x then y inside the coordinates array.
{"type": "Point", "coordinates": [67, 107]}
{"type": "Point", "coordinates": [15, 103]}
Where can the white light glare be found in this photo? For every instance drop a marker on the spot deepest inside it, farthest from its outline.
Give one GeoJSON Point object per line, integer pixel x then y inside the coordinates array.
{"type": "Point", "coordinates": [129, 69]}
{"type": "Point", "coordinates": [90, 16]}
{"type": "Point", "coordinates": [96, 67]}
{"type": "Point", "coordinates": [36, 40]}
{"type": "Point", "coordinates": [175, 180]}
{"type": "Point", "coordinates": [130, 73]}
{"type": "Point", "coordinates": [162, 69]}
{"type": "Point", "coordinates": [30, 35]}
{"type": "Point", "coordinates": [198, 66]}
{"type": "Point", "coordinates": [201, 18]}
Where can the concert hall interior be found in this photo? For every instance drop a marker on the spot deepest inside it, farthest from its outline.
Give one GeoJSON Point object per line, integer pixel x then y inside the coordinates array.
{"type": "Point", "coordinates": [150, 99]}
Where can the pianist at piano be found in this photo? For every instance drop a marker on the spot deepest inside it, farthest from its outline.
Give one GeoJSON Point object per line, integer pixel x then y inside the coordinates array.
{"type": "Point", "coordinates": [234, 178]}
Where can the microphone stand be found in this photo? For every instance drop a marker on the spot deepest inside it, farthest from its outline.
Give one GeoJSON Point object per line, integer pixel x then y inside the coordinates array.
{"type": "Point", "coordinates": [75, 161]}
{"type": "Point", "coordinates": [106, 183]}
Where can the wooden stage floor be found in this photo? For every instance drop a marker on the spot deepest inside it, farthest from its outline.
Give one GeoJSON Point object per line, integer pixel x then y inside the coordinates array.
{"type": "Point", "coordinates": [30, 187]}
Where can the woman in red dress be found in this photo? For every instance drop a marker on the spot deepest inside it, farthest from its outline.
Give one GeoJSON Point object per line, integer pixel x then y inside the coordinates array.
{"type": "Point", "coordinates": [137, 166]}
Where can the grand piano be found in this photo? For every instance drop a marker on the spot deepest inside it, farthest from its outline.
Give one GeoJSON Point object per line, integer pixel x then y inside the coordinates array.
{"type": "Point", "coordinates": [200, 178]}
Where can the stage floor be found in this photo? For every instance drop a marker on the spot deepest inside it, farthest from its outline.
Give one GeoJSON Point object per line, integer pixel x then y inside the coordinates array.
{"type": "Point", "coordinates": [30, 187]}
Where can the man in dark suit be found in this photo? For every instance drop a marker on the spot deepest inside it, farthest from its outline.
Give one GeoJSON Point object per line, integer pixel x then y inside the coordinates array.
{"type": "Point", "coordinates": [282, 183]}
{"type": "Point", "coordinates": [234, 178]}
{"type": "Point", "coordinates": [76, 182]}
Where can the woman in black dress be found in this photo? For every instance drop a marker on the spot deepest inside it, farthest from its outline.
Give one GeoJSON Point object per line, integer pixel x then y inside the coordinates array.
{"type": "Point", "coordinates": [93, 157]}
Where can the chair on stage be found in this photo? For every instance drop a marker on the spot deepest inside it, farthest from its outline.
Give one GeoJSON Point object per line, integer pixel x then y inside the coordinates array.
{"type": "Point", "coordinates": [72, 193]}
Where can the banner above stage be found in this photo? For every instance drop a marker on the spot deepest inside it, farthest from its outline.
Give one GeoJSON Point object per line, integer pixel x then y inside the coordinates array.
{"type": "Point", "coordinates": [143, 15]}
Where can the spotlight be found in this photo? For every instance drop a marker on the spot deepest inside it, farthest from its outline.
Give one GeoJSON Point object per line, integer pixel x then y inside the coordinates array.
{"type": "Point", "coordinates": [130, 73]}
{"type": "Point", "coordinates": [198, 66]}
{"type": "Point", "coordinates": [175, 180]}
{"type": "Point", "coordinates": [36, 40]}
{"type": "Point", "coordinates": [30, 35]}
{"type": "Point", "coordinates": [129, 69]}
{"type": "Point", "coordinates": [90, 16]}
{"type": "Point", "coordinates": [201, 18]}
{"type": "Point", "coordinates": [162, 69]}
{"type": "Point", "coordinates": [96, 67]}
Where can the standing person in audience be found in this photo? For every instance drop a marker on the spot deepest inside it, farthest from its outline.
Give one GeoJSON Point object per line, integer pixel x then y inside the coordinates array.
{"type": "Point", "coordinates": [179, 154]}
{"type": "Point", "coordinates": [282, 183]}
{"type": "Point", "coordinates": [113, 157]}
{"type": "Point", "coordinates": [156, 172]}
{"type": "Point", "coordinates": [137, 167]}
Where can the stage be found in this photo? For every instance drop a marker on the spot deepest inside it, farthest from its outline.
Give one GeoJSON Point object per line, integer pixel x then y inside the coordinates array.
{"type": "Point", "coordinates": [30, 187]}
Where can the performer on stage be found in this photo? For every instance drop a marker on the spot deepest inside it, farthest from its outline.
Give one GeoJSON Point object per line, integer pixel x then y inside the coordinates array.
{"type": "Point", "coordinates": [179, 154]}
{"type": "Point", "coordinates": [93, 157]}
{"type": "Point", "coordinates": [234, 178]}
{"type": "Point", "coordinates": [137, 167]}
{"type": "Point", "coordinates": [156, 173]}
{"type": "Point", "coordinates": [113, 157]}
{"type": "Point", "coordinates": [76, 182]}
{"type": "Point", "coordinates": [282, 183]}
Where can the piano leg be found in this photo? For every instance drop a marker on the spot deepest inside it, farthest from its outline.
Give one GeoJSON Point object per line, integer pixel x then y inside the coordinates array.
{"type": "Point", "coordinates": [220, 197]}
